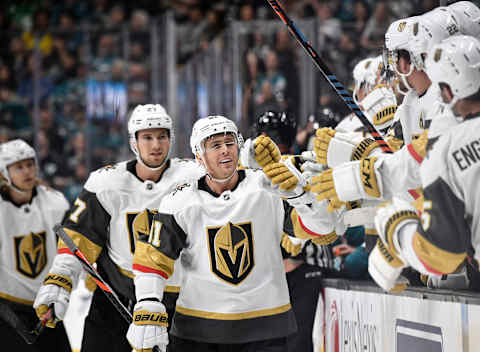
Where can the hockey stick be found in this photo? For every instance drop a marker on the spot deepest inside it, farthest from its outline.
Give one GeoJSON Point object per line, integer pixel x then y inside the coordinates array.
{"type": "Point", "coordinates": [334, 82]}
{"type": "Point", "coordinates": [329, 76]}
{"type": "Point", "coordinates": [29, 336]}
{"type": "Point", "coordinates": [106, 289]}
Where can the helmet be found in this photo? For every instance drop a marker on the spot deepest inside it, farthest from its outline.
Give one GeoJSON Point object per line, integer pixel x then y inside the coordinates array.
{"type": "Point", "coordinates": [209, 126]}
{"type": "Point", "coordinates": [432, 28]}
{"type": "Point", "coordinates": [456, 62]}
{"type": "Point", "coordinates": [417, 34]}
{"type": "Point", "coordinates": [281, 127]}
{"type": "Point", "coordinates": [148, 116]}
{"type": "Point", "coordinates": [12, 152]}
{"type": "Point", "coordinates": [468, 17]}
{"type": "Point", "coordinates": [365, 72]}
{"type": "Point", "coordinates": [324, 117]}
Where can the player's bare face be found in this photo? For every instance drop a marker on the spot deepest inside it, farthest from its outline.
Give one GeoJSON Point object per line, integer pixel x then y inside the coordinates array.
{"type": "Point", "coordinates": [153, 145]}
{"type": "Point", "coordinates": [221, 155]}
{"type": "Point", "coordinates": [23, 174]}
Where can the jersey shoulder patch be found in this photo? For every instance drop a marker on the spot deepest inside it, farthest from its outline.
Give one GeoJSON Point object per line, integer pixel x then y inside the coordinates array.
{"type": "Point", "coordinates": [183, 195]}
{"type": "Point", "coordinates": [106, 177]}
{"type": "Point", "coordinates": [188, 169]}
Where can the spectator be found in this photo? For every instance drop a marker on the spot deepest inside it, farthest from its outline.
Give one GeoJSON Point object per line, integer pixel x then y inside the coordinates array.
{"type": "Point", "coordinates": [40, 33]}
{"type": "Point", "coordinates": [139, 30]}
{"type": "Point", "coordinates": [27, 85]}
{"type": "Point", "coordinates": [56, 135]}
{"type": "Point", "coordinates": [360, 19]}
{"type": "Point", "coordinates": [374, 34]}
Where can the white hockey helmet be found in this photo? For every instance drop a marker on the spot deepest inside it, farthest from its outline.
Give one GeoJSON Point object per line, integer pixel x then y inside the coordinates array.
{"type": "Point", "coordinates": [433, 27]}
{"type": "Point", "coordinates": [456, 62]}
{"type": "Point", "coordinates": [148, 116]}
{"type": "Point", "coordinates": [365, 73]}
{"type": "Point", "coordinates": [12, 152]}
{"type": "Point", "coordinates": [467, 15]}
{"type": "Point", "coordinates": [398, 37]}
{"type": "Point", "coordinates": [209, 126]}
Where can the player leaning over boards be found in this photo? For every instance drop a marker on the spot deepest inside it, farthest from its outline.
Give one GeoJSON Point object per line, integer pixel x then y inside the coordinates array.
{"type": "Point", "coordinates": [227, 228]}
{"type": "Point", "coordinates": [378, 176]}
{"type": "Point", "coordinates": [450, 172]}
{"type": "Point", "coordinates": [28, 212]}
{"type": "Point", "coordinates": [107, 218]}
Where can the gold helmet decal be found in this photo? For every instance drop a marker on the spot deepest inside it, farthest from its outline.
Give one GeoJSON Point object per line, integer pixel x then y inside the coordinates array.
{"type": "Point", "coordinates": [31, 254]}
{"type": "Point", "coordinates": [231, 251]}
{"type": "Point", "coordinates": [401, 26]}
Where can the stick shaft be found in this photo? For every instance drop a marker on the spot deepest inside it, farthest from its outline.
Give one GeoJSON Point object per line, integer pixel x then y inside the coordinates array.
{"type": "Point", "coordinates": [329, 76]}
{"type": "Point", "coordinates": [102, 284]}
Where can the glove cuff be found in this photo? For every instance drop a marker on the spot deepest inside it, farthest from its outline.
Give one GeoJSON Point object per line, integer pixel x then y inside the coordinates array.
{"type": "Point", "coordinates": [68, 266]}
{"type": "Point", "coordinates": [149, 286]}
{"type": "Point", "coordinates": [59, 280]}
{"type": "Point", "coordinates": [364, 148]}
{"type": "Point", "coordinates": [339, 152]}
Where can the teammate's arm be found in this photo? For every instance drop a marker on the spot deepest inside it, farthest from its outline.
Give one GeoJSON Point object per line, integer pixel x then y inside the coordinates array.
{"type": "Point", "coordinates": [153, 264]}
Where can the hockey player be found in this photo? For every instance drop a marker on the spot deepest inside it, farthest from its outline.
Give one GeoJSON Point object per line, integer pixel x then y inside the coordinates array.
{"type": "Point", "coordinates": [374, 175]}
{"type": "Point", "coordinates": [115, 206]}
{"type": "Point", "coordinates": [449, 232]}
{"type": "Point", "coordinates": [227, 228]}
{"type": "Point", "coordinates": [28, 212]}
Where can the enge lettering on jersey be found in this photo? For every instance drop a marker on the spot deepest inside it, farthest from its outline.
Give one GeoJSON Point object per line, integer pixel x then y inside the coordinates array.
{"type": "Point", "coordinates": [467, 155]}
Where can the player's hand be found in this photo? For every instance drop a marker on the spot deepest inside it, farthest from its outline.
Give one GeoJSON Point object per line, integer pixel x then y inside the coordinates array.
{"type": "Point", "coordinates": [258, 153]}
{"type": "Point", "coordinates": [380, 106]}
{"type": "Point", "coordinates": [285, 180]}
{"type": "Point", "coordinates": [55, 291]}
{"type": "Point", "coordinates": [149, 327]}
{"type": "Point", "coordinates": [334, 148]}
{"type": "Point", "coordinates": [385, 261]}
{"type": "Point", "coordinates": [324, 186]}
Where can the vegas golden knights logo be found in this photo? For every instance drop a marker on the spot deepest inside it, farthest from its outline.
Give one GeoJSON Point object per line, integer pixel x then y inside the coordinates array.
{"type": "Point", "coordinates": [401, 26]}
{"type": "Point", "coordinates": [231, 251]}
{"type": "Point", "coordinates": [31, 253]}
{"type": "Point", "coordinates": [138, 224]}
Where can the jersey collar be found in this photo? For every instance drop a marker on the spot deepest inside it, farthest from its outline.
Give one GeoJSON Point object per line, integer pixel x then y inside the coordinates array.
{"type": "Point", "coordinates": [203, 186]}
{"type": "Point", "coordinates": [133, 170]}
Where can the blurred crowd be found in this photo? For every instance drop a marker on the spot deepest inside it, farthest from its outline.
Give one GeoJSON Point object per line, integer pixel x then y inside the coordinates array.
{"type": "Point", "coordinates": [70, 71]}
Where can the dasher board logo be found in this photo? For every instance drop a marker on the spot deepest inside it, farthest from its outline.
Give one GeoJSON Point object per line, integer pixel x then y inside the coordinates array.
{"type": "Point", "coordinates": [31, 253]}
{"type": "Point", "coordinates": [419, 337]}
{"type": "Point", "coordinates": [231, 251]}
{"type": "Point", "coordinates": [333, 332]}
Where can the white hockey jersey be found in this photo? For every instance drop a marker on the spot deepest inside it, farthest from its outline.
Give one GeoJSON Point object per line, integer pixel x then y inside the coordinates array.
{"type": "Point", "coordinates": [28, 243]}
{"type": "Point", "coordinates": [114, 209]}
{"type": "Point", "coordinates": [234, 288]}
{"type": "Point", "coordinates": [451, 219]}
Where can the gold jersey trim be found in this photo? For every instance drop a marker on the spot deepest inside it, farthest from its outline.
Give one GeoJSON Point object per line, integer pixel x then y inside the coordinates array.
{"type": "Point", "coordinates": [88, 248]}
{"type": "Point", "coordinates": [436, 258]}
{"type": "Point", "coordinates": [371, 232]}
{"type": "Point", "coordinates": [16, 299]}
{"type": "Point", "coordinates": [148, 256]}
{"type": "Point", "coordinates": [172, 289]}
{"type": "Point", "coordinates": [233, 316]}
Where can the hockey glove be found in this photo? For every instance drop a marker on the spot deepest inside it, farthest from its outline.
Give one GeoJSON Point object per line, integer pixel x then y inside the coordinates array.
{"type": "Point", "coordinates": [57, 287]}
{"type": "Point", "coordinates": [348, 182]}
{"type": "Point", "coordinates": [149, 327]}
{"type": "Point", "coordinates": [380, 106]}
{"type": "Point", "coordinates": [286, 181]}
{"type": "Point", "coordinates": [334, 148]}
{"type": "Point", "coordinates": [292, 245]}
{"type": "Point", "coordinates": [386, 261]}
{"type": "Point", "coordinates": [259, 153]}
